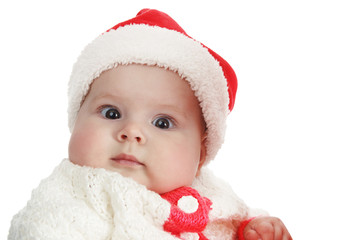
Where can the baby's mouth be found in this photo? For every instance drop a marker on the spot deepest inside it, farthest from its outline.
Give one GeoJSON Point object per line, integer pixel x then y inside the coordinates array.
{"type": "Point", "coordinates": [126, 160]}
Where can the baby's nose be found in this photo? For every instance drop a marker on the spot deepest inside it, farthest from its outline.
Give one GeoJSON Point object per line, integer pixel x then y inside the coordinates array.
{"type": "Point", "coordinates": [131, 134]}
{"type": "Point", "coordinates": [125, 137]}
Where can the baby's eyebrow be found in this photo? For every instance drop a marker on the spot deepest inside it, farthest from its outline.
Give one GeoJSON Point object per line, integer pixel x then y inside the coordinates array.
{"type": "Point", "coordinates": [173, 108]}
{"type": "Point", "coordinates": [106, 96]}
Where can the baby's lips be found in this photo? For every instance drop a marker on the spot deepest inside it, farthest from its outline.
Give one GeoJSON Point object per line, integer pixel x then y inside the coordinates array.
{"type": "Point", "coordinates": [126, 159]}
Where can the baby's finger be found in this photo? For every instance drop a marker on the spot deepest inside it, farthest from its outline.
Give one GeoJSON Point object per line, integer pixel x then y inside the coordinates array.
{"type": "Point", "coordinates": [278, 233]}
{"type": "Point", "coordinates": [281, 233]}
{"type": "Point", "coordinates": [251, 235]}
{"type": "Point", "coordinates": [286, 235]}
{"type": "Point", "coordinates": [265, 230]}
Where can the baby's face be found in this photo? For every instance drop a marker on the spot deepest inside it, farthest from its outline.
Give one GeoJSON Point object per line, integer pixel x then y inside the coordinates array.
{"type": "Point", "coordinates": [143, 122]}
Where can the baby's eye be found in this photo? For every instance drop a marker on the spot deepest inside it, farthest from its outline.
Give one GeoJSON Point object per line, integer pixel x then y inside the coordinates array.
{"type": "Point", "coordinates": [110, 113]}
{"type": "Point", "coordinates": [163, 123]}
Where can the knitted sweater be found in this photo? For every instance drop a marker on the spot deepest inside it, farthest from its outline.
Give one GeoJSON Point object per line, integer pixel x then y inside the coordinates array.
{"type": "Point", "coordinates": [86, 203]}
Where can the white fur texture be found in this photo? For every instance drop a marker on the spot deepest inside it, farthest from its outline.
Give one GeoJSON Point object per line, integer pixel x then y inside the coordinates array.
{"type": "Point", "coordinates": [143, 44]}
{"type": "Point", "coordinates": [85, 203]}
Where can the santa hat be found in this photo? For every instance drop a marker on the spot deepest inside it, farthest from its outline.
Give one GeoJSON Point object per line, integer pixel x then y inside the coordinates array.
{"type": "Point", "coordinates": [154, 38]}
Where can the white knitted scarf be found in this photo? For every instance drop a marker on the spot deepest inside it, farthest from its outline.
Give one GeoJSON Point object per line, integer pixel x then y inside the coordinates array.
{"type": "Point", "coordinates": [86, 203]}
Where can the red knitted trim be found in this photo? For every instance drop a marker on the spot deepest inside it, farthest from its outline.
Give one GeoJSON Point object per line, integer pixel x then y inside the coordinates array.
{"type": "Point", "coordinates": [242, 226]}
{"type": "Point", "coordinates": [180, 221]}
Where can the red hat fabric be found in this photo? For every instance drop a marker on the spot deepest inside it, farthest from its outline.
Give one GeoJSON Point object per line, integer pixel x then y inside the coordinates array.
{"type": "Point", "coordinates": [154, 38]}
{"type": "Point", "coordinates": [153, 17]}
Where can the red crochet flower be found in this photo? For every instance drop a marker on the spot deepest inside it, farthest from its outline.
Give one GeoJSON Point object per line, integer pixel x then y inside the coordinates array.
{"type": "Point", "coordinates": [189, 212]}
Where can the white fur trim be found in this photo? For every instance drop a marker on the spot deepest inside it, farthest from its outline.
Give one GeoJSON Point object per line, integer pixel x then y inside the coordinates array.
{"type": "Point", "coordinates": [172, 50]}
{"type": "Point", "coordinates": [214, 188]}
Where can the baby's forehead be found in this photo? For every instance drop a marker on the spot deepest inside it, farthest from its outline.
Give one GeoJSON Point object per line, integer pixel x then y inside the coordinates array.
{"type": "Point", "coordinates": [143, 81]}
{"type": "Point", "coordinates": [142, 75]}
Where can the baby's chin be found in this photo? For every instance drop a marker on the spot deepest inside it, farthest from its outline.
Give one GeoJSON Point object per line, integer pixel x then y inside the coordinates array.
{"type": "Point", "coordinates": [149, 183]}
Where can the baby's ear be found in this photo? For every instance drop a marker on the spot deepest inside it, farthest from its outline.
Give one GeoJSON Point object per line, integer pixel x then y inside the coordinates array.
{"type": "Point", "coordinates": [202, 152]}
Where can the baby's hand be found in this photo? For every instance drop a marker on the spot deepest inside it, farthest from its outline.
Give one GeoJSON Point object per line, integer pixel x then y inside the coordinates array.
{"type": "Point", "coordinates": [266, 228]}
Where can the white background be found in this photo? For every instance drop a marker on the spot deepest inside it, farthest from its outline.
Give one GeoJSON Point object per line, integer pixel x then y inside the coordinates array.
{"type": "Point", "coordinates": [293, 140]}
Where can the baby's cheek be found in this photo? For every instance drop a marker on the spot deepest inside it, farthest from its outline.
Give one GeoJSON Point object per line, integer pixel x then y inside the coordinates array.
{"type": "Point", "coordinates": [79, 147]}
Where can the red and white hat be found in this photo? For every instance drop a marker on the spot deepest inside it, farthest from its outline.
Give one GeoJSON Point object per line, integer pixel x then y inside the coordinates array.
{"type": "Point", "coordinates": [154, 38]}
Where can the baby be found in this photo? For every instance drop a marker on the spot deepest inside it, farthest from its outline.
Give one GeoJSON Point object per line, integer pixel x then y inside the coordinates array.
{"type": "Point", "coordinates": [147, 111]}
